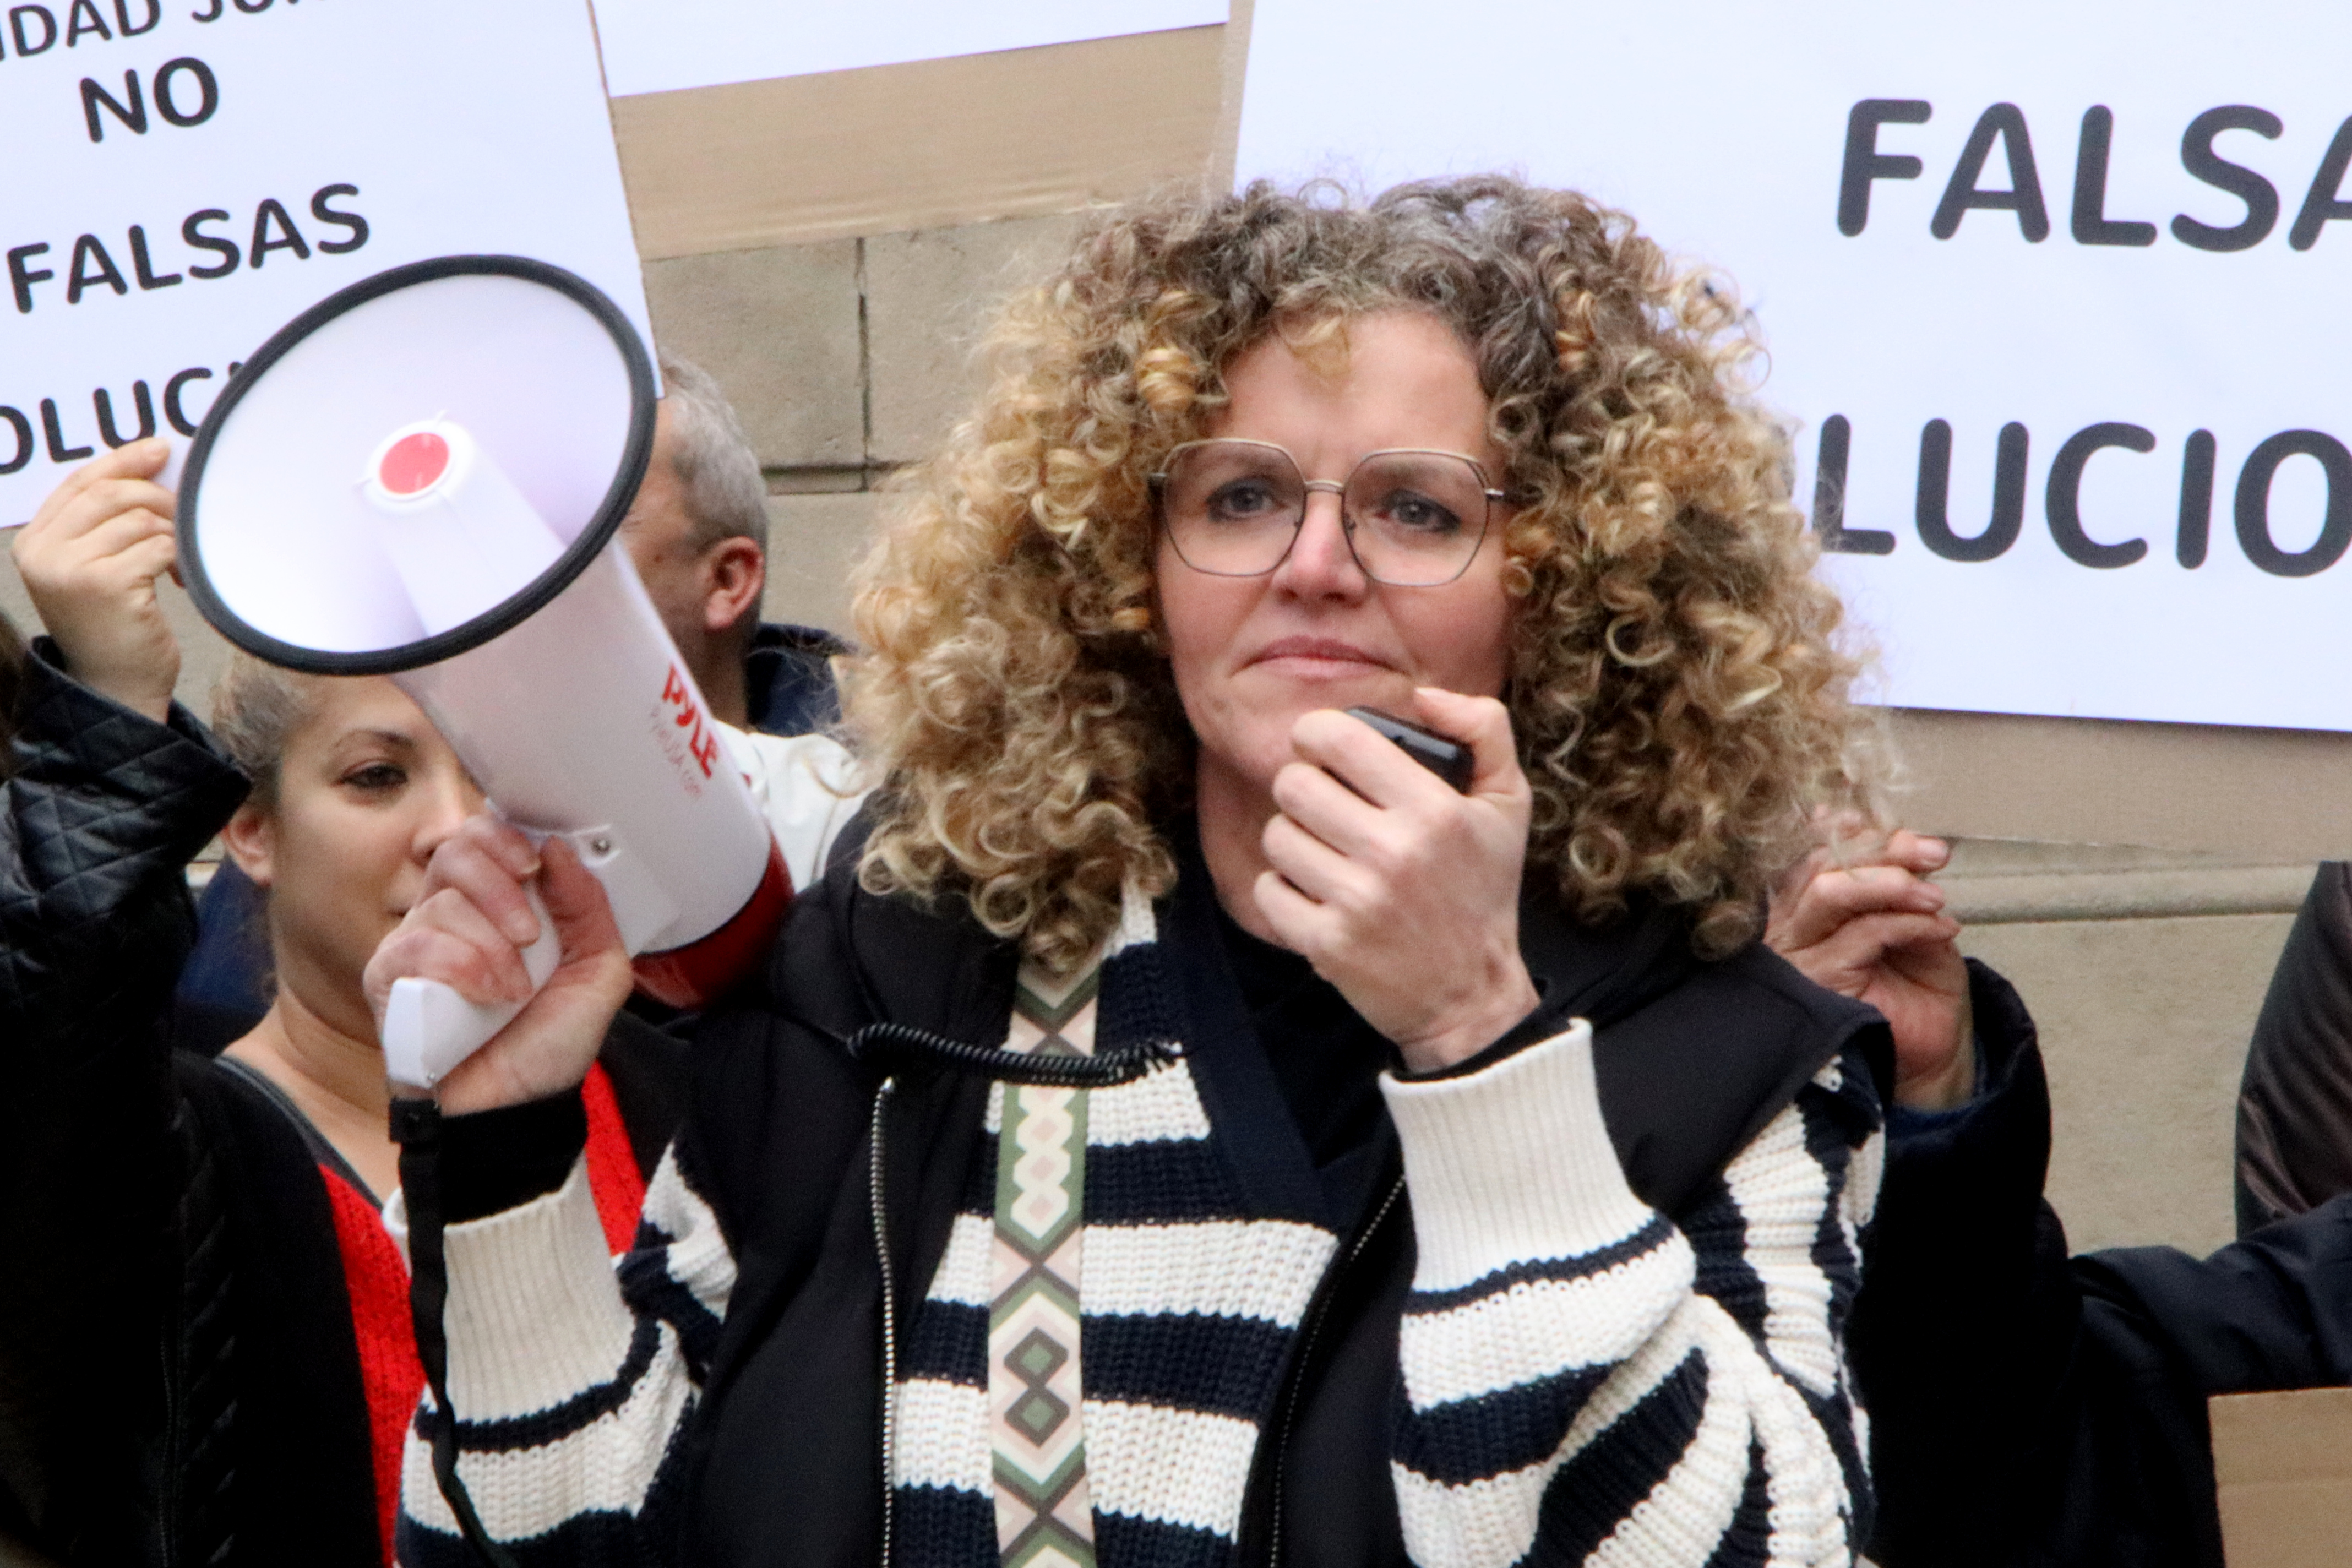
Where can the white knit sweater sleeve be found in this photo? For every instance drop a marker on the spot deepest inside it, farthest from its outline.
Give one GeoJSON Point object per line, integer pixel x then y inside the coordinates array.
{"type": "Point", "coordinates": [571, 1372]}
{"type": "Point", "coordinates": [1583, 1380]}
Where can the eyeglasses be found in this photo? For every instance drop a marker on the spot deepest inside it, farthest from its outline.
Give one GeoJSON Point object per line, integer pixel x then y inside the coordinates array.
{"type": "Point", "coordinates": [1412, 519]}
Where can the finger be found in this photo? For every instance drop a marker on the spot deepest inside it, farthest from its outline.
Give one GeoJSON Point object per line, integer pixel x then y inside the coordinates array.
{"type": "Point", "coordinates": [1311, 798]}
{"type": "Point", "coordinates": [497, 957]}
{"type": "Point", "coordinates": [576, 903]}
{"type": "Point", "coordinates": [1860, 947]}
{"type": "Point", "coordinates": [1298, 921]}
{"type": "Point", "coordinates": [1834, 897]}
{"type": "Point", "coordinates": [1317, 871]}
{"type": "Point", "coordinates": [149, 558]}
{"type": "Point", "coordinates": [138, 459]}
{"type": "Point", "coordinates": [1483, 725]}
{"type": "Point", "coordinates": [98, 500]}
{"type": "Point", "coordinates": [420, 948]}
{"type": "Point", "coordinates": [110, 537]}
{"type": "Point", "coordinates": [488, 861]}
{"type": "Point", "coordinates": [1792, 881]}
{"type": "Point", "coordinates": [1916, 852]}
{"type": "Point", "coordinates": [1361, 758]}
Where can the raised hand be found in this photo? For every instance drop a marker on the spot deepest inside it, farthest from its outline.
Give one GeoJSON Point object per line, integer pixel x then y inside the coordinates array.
{"type": "Point", "coordinates": [1403, 894]}
{"type": "Point", "coordinates": [467, 930]}
{"type": "Point", "coordinates": [1865, 922]}
{"type": "Point", "coordinates": [89, 559]}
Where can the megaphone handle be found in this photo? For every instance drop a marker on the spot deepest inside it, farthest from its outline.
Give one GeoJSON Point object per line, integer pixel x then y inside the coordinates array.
{"type": "Point", "coordinates": [429, 1028]}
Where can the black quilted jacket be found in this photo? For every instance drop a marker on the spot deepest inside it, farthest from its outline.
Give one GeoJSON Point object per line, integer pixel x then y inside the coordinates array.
{"type": "Point", "coordinates": [100, 815]}
{"type": "Point", "coordinates": [97, 824]}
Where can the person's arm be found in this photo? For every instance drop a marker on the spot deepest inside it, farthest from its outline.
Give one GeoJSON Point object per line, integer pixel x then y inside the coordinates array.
{"type": "Point", "coordinates": [570, 1371]}
{"type": "Point", "coordinates": [112, 788]}
{"type": "Point", "coordinates": [2025, 1405]}
{"type": "Point", "coordinates": [105, 799]}
{"type": "Point", "coordinates": [1568, 1354]}
{"type": "Point", "coordinates": [2295, 1101]}
{"type": "Point", "coordinates": [569, 1379]}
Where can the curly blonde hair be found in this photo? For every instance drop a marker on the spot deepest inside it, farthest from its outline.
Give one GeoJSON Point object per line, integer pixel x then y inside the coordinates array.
{"type": "Point", "coordinates": [1678, 697]}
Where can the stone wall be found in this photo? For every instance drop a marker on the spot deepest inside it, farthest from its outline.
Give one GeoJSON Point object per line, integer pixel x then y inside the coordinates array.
{"type": "Point", "coordinates": [849, 358]}
{"type": "Point", "coordinates": [846, 360]}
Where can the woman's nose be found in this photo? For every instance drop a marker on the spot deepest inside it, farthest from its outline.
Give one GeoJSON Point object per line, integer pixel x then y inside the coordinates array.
{"type": "Point", "coordinates": [1320, 565]}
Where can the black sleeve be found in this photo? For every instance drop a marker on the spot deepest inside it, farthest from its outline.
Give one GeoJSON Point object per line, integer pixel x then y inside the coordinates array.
{"type": "Point", "coordinates": [98, 818]}
{"type": "Point", "coordinates": [103, 811]}
{"type": "Point", "coordinates": [2030, 1407]}
{"type": "Point", "coordinates": [2294, 1103]}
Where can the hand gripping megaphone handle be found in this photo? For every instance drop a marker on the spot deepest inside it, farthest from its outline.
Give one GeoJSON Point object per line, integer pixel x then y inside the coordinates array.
{"type": "Point", "coordinates": [429, 1028]}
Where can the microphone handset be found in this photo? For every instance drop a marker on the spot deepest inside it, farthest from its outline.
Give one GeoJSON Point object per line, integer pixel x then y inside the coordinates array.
{"type": "Point", "coordinates": [1449, 760]}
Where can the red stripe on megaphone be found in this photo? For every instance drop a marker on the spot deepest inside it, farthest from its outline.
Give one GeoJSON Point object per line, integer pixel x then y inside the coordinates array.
{"type": "Point", "coordinates": [707, 967]}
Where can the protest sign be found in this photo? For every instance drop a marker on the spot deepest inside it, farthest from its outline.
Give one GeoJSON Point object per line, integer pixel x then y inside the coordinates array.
{"type": "Point", "coordinates": [189, 174]}
{"type": "Point", "coordinates": [668, 45]}
{"type": "Point", "coordinates": [2051, 292]}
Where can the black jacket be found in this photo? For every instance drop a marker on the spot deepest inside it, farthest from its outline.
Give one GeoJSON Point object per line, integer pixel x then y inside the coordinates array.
{"type": "Point", "coordinates": [788, 681]}
{"type": "Point", "coordinates": [2027, 1407]}
{"type": "Point", "coordinates": [1693, 1060]}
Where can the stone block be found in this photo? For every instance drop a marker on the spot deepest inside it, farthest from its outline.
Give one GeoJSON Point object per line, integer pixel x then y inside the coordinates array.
{"type": "Point", "coordinates": [813, 542]}
{"type": "Point", "coordinates": [929, 294]}
{"type": "Point", "coordinates": [2144, 1026]}
{"type": "Point", "coordinates": [778, 328]}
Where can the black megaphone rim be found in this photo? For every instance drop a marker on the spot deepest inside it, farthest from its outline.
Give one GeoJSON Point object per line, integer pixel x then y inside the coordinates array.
{"type": "Point", "coordinates": [637, 454]}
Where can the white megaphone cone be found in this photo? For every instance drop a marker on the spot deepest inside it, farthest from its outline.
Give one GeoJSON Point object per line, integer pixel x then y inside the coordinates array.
{"type": "Point", "coordinates": [422, 477]}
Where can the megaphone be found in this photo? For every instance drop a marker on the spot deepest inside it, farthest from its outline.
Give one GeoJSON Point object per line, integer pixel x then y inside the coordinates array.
{"type": "Point", "coordinates": [421, 477]}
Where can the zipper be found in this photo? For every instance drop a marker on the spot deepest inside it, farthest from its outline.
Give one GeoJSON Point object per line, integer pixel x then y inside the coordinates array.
{"type": "Point", "coordinates": [1316, 1316]}
{"type": "Point", "coordinates": [167, 1509]}
{"type": "Point", "coordinates": [889, 1317]}
{"type": "Point", "coordinates": [880, 1043]}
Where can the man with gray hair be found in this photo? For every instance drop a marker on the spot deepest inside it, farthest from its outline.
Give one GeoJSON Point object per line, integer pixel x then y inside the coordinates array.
{"type": "Point", "coordinates": [698, 535]}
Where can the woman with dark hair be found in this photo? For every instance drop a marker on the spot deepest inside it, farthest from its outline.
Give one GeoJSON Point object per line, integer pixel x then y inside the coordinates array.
{"type": "Point", "coordinates": [1454, 1178]}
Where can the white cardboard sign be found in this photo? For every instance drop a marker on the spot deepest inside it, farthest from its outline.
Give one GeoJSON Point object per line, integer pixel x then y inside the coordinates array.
{"type": "Point", "coordinates": [2055, 289]}
{"type": "Point", "coordinates": [664, 45]}
{"type": "Point", "coordinates": [190, 175]}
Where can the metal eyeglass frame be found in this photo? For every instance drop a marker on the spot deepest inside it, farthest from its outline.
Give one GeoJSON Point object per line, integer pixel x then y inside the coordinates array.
{"type": "Point", "coordinates": [1159, 486]}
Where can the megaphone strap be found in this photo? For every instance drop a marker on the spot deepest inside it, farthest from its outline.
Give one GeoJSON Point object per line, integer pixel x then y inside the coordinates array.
{"type": "Point", "coordinates": [416, 1127]}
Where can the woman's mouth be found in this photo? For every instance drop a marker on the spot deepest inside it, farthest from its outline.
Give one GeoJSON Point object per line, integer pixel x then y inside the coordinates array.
{"type": "Point", "coordinates": [1317, 650]}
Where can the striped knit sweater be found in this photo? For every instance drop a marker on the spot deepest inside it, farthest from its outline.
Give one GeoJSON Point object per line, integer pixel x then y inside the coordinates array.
{"type": "Point", "coordinates": [1579, 1378]}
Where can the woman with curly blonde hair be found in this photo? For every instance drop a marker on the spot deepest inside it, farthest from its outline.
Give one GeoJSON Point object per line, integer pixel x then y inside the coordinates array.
{"type": "Point", "coordinates": [1195, 1128]}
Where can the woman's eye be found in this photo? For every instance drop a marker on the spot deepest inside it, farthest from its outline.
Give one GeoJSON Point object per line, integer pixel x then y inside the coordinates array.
{"type": "Point", "coordinates": [1419, 513]}
{"type": "Point", "coordinates": [376, 777]}
{"type": "Point", "coordinates": [1241, 502]}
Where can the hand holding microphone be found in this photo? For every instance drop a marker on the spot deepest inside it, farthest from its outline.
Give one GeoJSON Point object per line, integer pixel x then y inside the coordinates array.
{"type": "Point", "coordinates": [468, 931]}
{"type": "Point", "coordinates": [1404, 893]}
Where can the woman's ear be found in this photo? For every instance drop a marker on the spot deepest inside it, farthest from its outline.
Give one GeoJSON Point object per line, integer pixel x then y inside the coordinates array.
{"type": "Point", "coordinates": [251, 841]}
